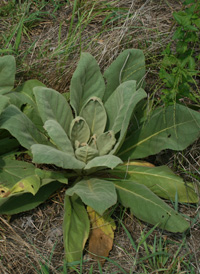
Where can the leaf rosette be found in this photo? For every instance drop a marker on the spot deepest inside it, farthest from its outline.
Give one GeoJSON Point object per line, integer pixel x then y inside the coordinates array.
{"type": "Point", "coordinates": [88, 137]}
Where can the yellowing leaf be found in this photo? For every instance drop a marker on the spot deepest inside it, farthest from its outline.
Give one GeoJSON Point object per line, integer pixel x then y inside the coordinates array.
{"type": "Point", "coordinates": [101, 235]}
{"type": "Point", "coordinates": [29, 184]}
{"type": "Point", "coordinates": [3, 190]}
{"type": "Point", "coordinates": [139, 163]}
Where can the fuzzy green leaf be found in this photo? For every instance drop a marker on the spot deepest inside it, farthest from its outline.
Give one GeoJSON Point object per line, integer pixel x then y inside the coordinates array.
{"type": "Point", "coordinates": [96, 193]}
{"type": "Point", "coordinates": [76, 227]}
{"type": "Point", "coordinates": [86, 82]}
{"type": "Point", "coordinates": [136, 97]}
{"type": "Point", "coordinates": [116, 105]}
{"type": "Point", "coordinates": [86, 153]}
{"type": "Point", "coordinates": [24, 93]}
{"type": "Point", "coordinates": [4, 102]}
{"type": "Point", "coordinates": [59, 136]}
{"type": "Point", "coordinates": [93, 142]}
{"type": "Point", "coordinates": [13, 171]}
{"type": "Point", "coordinates": [24, 202]}
{"type": "Point", "coordinates": [7, 73]}
{"type": "Point", "coordinates": [29, 184]}
{"type": "Point", "coordinates": [79, 131]}
{"type": "Point", "coordinates": [43, 154]}
{"type": "Point", "coordinates": [95, 115]}
{"type": "Point", "coordinates": [53, 106]}
{"type": "Point", "coordinates": [15, 98]}
{"type": "Point", "coordinates": [105, 142]}
{"type": "Point", "coordinates": [33, 114]}
{"type": "Point", "coordinates": [160, 180]}
{"type": "Point", "coordinates": [106, 161]}
{"type": "Point", "coordinates": [26, 102]}
{"type": "Point", "coordinates": [49, 176]}
{"type": "Point", "coordinates": [16, 180]}
{"type": "Point", "coordinates": [129, 65]}
{"type": "Point", "coordinates": [21, 127]}
{"type": "Point", "coordinates": [146, 206]}
{"type": "Point", "coordinates": [8, 144]}
{"type": "Point", "coordinates": [174, 127]}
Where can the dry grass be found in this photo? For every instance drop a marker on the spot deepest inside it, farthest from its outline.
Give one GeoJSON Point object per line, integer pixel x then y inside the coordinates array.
{"type": "Point", "coordinates": [28, 238]}
{"type": "Point", "coordinates": [144, 24]}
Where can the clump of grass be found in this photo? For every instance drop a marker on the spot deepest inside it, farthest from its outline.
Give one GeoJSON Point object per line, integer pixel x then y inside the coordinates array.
{"type": "Point", "coordinates": [48, 34]}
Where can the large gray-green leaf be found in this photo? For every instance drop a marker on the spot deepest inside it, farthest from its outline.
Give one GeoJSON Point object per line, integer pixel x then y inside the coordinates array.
{"type": "Point", "coordinates": [24, 202]}
{"type": "Point", "coordinates": [16, 98]}
{"type": "Point", "coordinates": [160, 180]}
{"type": "Point", "coordinates": [53, 106]}
{"type": "Point", "coordinates": [7, 73]}
{"type": "Point", "coordinates": [129, 65]}
{"type": "Point", "coordinates": [146, 206]}
{"type": "Point", "coordinates": [86, 82]}
{"type": "Point", "coordinates": [33, 114]}
{"type": "Point", "coordinates": [174, 127]}
{"type": "Point", "coordinates": [105, 142]}
{"type": "Point", "coordinates": [59, 136]}
{"type": "Point", "coordinates": [96, 193]}
{"type": "Point", "coordinates": [116, 105]}
{"type": "Point", "coordinates": [13, 171]}
{"type": "Point", "coordinates": [29, 184]}
{"type": "Point", "coordinates": [21, 127]}
{"type": "Point", "coordinates": [49, 176]}
{"type": "Point", "coordinates": [26, 89]}
{"type": "Point", "coordinates": [43, 154]}
{"type": "Point", "coordinates": [136, 97]}
{"type": "Point", "coordinates": [8, 144]}
{"type": "Point", "coordinates": [23, 94]}
{"type": "Point", "coordinates": [16, 180]}
{"type": "Point", "coordinates": [4, 102]}
{"type": "Point", "coordinates": [79, 131]}
{"type": "Point", "coordinates": [141, 113]}
{"type": "Point", "coordinates": [23, 98]}
{"type": "Point", "coordinates": [76, 227]}
{"type": "Point", "coordinates": [86, 153]}
{"type": "Point", "coordinates": [95, 115]}
{"type": "Point", "coordinates": [106, 161]}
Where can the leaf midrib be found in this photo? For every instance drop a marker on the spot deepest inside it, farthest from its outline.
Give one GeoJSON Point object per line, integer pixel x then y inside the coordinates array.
{"type": "Point", "coordinates": [142, 197]}
{"type": "Point", "coordinates": [153, 135]}
{"type": "Point", "coordinates": [150, 174]}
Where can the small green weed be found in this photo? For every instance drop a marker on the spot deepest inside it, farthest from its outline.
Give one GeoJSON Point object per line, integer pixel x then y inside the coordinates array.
{"type": "Point", "coordinates": [179, 69]}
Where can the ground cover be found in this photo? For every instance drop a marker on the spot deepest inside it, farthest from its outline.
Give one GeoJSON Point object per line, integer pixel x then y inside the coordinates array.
{"type": "Point", "coordinates": [48, 35]}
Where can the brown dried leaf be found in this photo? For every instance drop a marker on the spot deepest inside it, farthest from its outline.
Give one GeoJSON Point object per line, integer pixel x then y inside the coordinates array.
{"type": "Point", "coordinates": [101, 235]}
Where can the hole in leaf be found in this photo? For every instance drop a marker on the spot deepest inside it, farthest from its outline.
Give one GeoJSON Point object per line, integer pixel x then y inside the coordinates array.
{"type": "Point", "coordinates": [168, 136]}
{"type": "Point", "coordinates": [163, 216]}
{"type": "Point", "coordinates": [2, 191]}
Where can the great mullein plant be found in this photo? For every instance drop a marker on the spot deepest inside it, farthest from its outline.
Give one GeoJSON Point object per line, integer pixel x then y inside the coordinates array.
{"type": "Point", "coordinates": [95, 139]}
